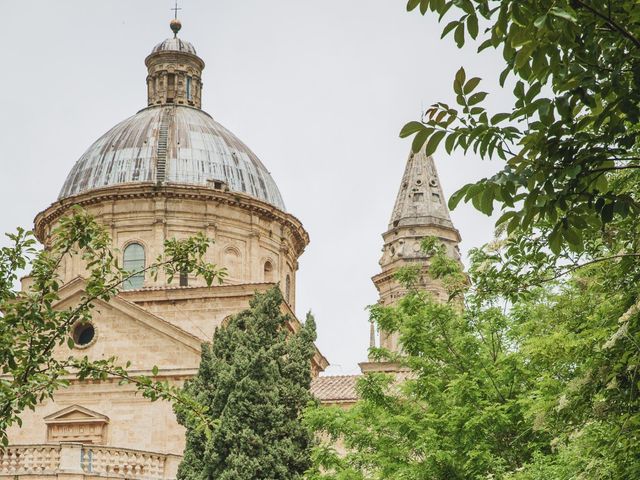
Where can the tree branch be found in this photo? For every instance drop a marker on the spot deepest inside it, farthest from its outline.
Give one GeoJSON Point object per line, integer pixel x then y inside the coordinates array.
{"type": "Point", "coordinates": [609, 21]}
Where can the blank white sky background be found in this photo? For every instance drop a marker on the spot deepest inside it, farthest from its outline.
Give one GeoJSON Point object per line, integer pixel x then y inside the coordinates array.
{"type": "Point", "coordinates": [318, 90]}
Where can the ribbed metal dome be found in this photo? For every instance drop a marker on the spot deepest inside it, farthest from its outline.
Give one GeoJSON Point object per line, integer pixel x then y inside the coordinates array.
{"type": "Point", "coordinates": [176, 45]}
{"type": "Point", "coordinates": [172, 145]}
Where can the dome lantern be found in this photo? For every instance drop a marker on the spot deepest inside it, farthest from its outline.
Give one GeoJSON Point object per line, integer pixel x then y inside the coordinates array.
{"type": "Point", "coordinates": [174, 72]}
{"type": "Point", "coordinates": [173, 142]}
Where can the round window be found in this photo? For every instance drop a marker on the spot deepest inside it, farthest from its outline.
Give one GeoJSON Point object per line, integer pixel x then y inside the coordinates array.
{"type": "Point", "coordinates": [83, 334]}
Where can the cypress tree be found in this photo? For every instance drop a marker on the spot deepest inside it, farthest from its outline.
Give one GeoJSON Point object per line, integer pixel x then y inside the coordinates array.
{"type": "Point", "coordinates": [254, 379]}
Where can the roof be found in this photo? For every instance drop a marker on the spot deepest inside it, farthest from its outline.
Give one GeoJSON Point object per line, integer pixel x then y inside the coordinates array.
{"type": "Point", "coordinates": [174, 44]}
{"type": "Point", "coordinates": [420, 199]}
{"type": "Point", "coordinates": [172, 144]}
{"type": "Point", "coordinates": [338, 388]}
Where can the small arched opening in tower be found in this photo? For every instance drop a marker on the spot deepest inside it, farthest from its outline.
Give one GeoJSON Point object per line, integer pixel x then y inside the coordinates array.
{"type": "Point", "coordinates": [268, 272]}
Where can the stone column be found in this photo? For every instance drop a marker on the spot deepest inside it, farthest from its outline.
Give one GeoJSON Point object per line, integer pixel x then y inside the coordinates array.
{"type": "Point", "coordinates": [254, 258]}
{"type": "Point", "coordinates": [171, 466]}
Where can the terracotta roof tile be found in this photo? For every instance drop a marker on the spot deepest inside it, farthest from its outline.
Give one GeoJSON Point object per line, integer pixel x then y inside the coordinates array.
{"type": "Point", "coordinates": [338, 388]}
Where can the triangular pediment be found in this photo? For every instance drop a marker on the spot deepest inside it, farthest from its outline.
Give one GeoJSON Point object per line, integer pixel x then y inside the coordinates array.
{"type": "Point", "coordinates": [73, 291]}
{"type": "Point", "coordinates": [76, 414]}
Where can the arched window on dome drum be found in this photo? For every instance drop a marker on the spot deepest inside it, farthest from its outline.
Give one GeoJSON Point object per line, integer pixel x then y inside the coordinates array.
{"type": "Point", "coordinates": [287, 289]}
{"type": "Point", "coordinates": [134, 264]}
{"type": "Point", "coordinates": [189, 89]}
{"type": "Point", "coordinates": [171, 87]}
{"type": "Point", "coordinates": [268, 272]}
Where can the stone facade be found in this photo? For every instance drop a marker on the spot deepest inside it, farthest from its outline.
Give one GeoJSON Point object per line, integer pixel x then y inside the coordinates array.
{"type": "Point", "coordinates": [171, 171]}
{"type": "Point", "coordinates": [255, 241]}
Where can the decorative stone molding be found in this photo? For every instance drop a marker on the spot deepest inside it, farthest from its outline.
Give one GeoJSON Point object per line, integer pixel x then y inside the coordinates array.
{"type": "Point", "coordinates": [76, 424]}
{"type": "Point", "coordinates": [45, 220]}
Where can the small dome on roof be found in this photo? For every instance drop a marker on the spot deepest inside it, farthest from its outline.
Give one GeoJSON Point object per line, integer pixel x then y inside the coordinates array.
{"type": "Point", "coordinates": [174, 44]}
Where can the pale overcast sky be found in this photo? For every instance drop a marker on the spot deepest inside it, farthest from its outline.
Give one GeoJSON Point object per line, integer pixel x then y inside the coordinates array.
{"type": "Point", "coordinates": [317, 89]}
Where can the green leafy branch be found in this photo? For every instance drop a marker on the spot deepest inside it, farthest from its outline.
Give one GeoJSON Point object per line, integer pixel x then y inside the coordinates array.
{"type": "Point", "coordinates": [574, 123]}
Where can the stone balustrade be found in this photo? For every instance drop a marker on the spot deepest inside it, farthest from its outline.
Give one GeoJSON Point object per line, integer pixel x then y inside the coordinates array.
{"type": "Point", "coordinates": [113, 462]}
{"type": "Point", "coordinates": [87, 461]}
{"type": "Point", "coordinates": [30, 460]}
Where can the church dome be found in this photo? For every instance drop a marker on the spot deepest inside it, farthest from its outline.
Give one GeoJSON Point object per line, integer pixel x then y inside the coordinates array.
{"type": "Point", "coordinates": [174, 45]}
{"type": "Point", "coordinates": [172, 144]}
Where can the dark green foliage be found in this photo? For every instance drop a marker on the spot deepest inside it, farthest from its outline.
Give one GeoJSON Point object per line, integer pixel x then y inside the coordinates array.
{"type": "Point", "coordinates": [574, 121]}
{"type": "Point", "coordinates": [254, 381]}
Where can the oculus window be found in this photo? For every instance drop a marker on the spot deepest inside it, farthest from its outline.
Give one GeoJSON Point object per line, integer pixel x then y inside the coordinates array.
{"type": "Point", "coordinates": [83, 334]}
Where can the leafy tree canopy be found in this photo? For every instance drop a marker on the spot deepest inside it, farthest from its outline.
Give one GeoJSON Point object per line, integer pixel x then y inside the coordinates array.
{"type": "Point", "coordinates": [537, 376]}
{"type": "Point", "coordinates": [573, 130]}
{"type": "Point", "coordinates": [547, 388]}
{"type": "Point", "coordinates": [253, 381]}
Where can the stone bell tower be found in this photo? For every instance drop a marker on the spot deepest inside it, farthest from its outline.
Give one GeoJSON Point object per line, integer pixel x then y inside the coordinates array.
{"type": "Point", "coordinates": [420, 211]}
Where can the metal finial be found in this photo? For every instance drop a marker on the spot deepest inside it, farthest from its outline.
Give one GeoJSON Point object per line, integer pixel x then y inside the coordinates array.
{"type": "Point", "coordinates": [175, 26]}
{"type": "Point", "coordinates": [175, 23]}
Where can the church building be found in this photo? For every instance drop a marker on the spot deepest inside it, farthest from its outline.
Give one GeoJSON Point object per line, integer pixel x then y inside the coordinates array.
{"type": "Point", "coordinates": [172, 171]}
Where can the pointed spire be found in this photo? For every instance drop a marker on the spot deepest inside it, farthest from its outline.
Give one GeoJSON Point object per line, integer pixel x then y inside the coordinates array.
{"type": "Point", "coordinates": [420, 200]}
{"type": "Point", "coordinates": [420, 211]}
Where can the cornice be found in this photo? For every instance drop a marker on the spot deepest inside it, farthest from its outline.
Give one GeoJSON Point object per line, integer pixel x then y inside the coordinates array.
{"type": "Point", "coordinates": [151, 190]}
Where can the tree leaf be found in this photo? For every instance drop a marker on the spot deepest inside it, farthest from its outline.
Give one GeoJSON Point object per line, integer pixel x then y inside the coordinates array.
{"type": "Point", "coordinates": [499, 117]}
{"type": "Point", "coordinates": [450, 26]}
{"type": "Point", "coordinates": [555, 241]}
{"type": "Point", "coordinates": [563, 13]}
{"type": "Point", "coordinates": [419, 140]}
{"type": "Point", "coordinates": [540, 21]}
{"type": "Point", "coordinates": [606, 214]}
{"type": "Point", "coordinates": [454, 200]}
{"type": "Point", "coordinates": [471, 85]}
{"type": "Point", "coordinates": [472, 26]}
{"type": "Point", "coordinates": [477, 98]}
{"type": "Point", "coordinates": [412, 4]}
{"type": "Point", "coordinates": [434, 141]}
{"type": "Point", "coordinates": [411, 128]}
{"type": "Point", "coordinates": [458, 81]}
{"type": "Point", "coordinates": [458, 35]}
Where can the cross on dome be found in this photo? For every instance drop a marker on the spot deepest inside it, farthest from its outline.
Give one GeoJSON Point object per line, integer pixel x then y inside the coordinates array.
{"type": "Point", "coordinates": [175, 10]}
{"type": "Point", "coordinates": [175, 24]}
